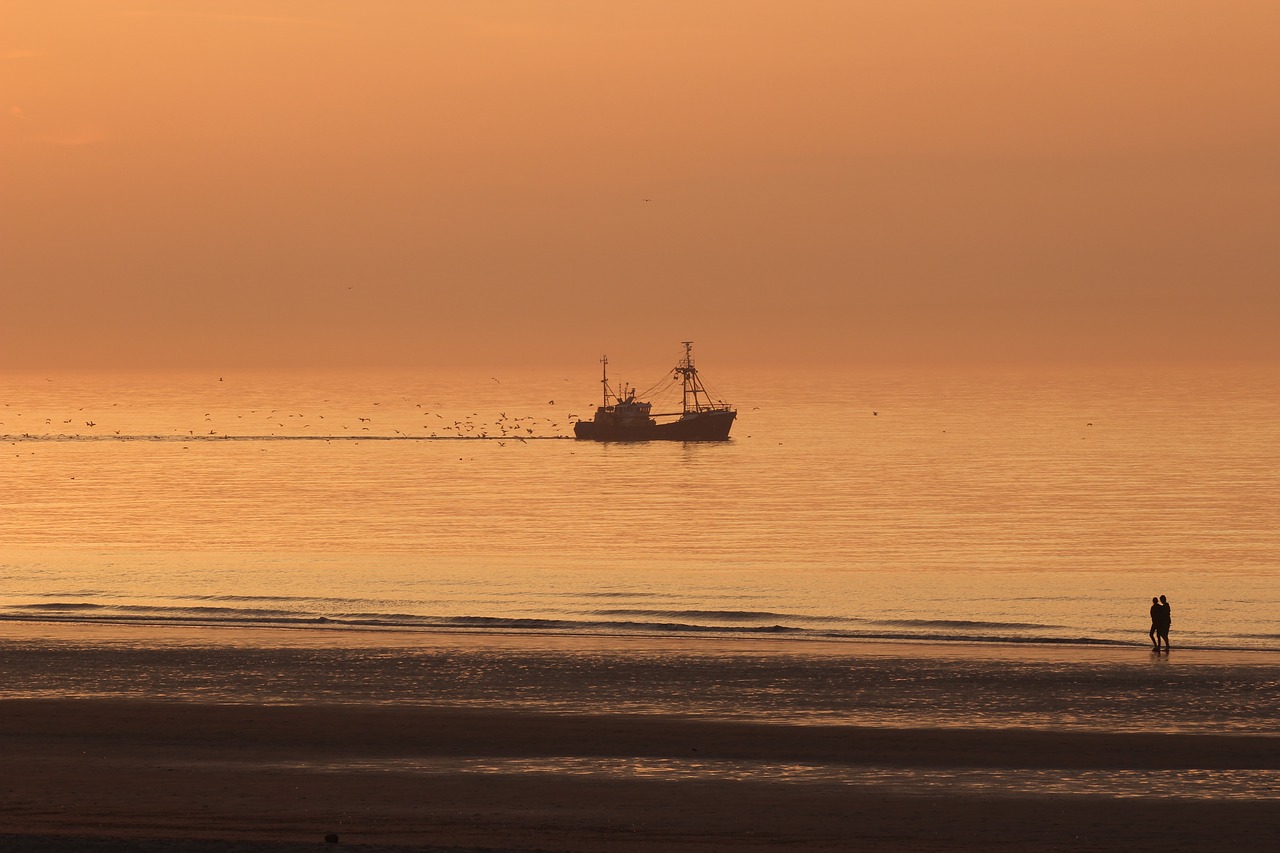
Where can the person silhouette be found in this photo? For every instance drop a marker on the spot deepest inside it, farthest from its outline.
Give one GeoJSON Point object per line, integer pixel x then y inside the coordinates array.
{"type": "Point", "coordinates": [1162, 624]}
{"type": "Point", "coordinates": [1156, 612]}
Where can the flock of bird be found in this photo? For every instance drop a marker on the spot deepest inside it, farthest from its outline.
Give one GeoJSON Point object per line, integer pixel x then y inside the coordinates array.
{"type": "Point", "coordinates": [391, 422]}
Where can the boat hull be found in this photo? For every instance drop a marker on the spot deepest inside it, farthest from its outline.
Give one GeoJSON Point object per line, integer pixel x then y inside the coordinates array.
{"type": "Point", "coordinates": [697, 426]}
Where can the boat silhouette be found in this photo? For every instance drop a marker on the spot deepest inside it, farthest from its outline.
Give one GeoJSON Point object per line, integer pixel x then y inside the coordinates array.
{"type": "Point", "coordinates": [622, 417]}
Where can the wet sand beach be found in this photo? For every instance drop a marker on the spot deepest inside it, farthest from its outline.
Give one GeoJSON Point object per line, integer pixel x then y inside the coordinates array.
{"type": "Point", "coordinates": [421, 776]}
{"type": "Point", "coordinates": [234, 767]}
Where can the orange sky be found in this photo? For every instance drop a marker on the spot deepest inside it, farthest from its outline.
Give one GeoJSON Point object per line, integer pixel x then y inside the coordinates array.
{"type": "Point", "coordinates": [385, 182]}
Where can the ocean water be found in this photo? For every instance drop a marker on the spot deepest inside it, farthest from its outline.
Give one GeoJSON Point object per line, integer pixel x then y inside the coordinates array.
{"type": "Point", "coordinates": [1036, 507]}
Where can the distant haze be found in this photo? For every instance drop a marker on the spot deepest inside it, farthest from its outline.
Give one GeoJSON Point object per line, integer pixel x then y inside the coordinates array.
{"type": "Point", "coordinates": [318, 184]}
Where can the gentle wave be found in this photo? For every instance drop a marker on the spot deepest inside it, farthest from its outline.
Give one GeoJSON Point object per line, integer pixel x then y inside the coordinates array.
{"type": "Point", "coordinates": [304, 611]}
{"type": "Point", "coordinates": [263, 618]}
{"type": "Point", "coordinates": [280, 598]}
{"type": "Point", "coordinates": [739, 615]}
{"type": "Point", "coordinates": [958, 623]}
{"type": "Point", "coordinates": [142, 610]}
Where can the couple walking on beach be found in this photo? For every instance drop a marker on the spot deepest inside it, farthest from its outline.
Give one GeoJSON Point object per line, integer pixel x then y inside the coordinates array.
{"type": "Point", "coordinates": [1160, 619]}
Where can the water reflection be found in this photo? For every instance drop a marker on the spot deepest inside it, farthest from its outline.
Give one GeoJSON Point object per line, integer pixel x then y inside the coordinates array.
{"type": "Point", "coordinates": [1122, 784]}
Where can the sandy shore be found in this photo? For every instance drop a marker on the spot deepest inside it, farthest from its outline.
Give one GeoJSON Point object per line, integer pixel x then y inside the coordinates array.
{"type": "Point", "coordinates": [265, 775]}
{"type": "Point", "coordinates": [199, 740]}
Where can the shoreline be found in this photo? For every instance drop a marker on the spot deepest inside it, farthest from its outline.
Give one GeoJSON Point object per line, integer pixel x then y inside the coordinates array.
{"type": "Point", "coordinates": [896, 685]}
{"type": "Point", "coordinates": [323, 635]}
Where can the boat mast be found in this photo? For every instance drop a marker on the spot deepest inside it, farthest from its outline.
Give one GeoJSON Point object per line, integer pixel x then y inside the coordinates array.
{"type": "Point", "coordinates": [689, 378]}
{"type": "Point", "coordinates": [604, 378]}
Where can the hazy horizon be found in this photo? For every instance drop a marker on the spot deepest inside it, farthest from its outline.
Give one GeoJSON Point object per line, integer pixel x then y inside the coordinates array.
{"type": "Point", "coordinates": [241, 185]}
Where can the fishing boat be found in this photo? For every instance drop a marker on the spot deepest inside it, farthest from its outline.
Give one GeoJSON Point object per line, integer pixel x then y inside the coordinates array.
{"type": "Point", "coordinates": [624, 417]}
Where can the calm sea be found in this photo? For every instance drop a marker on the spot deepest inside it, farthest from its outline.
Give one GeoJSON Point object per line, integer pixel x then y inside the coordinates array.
{"type": "Point", "coordinates": [1033, 507]}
